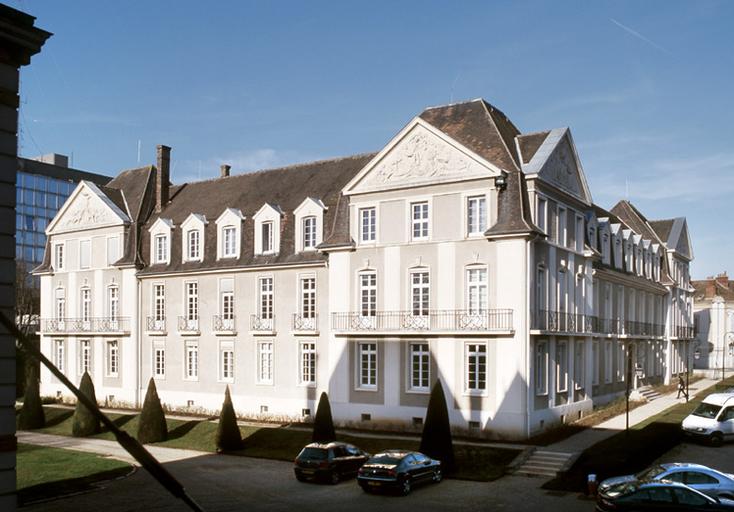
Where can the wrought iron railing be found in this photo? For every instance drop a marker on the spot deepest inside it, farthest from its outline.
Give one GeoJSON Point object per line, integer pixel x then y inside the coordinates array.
{"type": "Point", "coordinates": [222, 323]}
{"type": "Point", "coordinates": [188, 324]}
{"type": "Point", "coordinates": [305, 323]}
{"type": "Point", "coordinates": [431, 321]}
{"type": "Point", "coordinates": [261, 323]}
{"type": "Point", "coordinates": [154, 324]}
{"type": "Point", "coordinates": [557, 321]}
{"type": "Point", "coordinates": [685, 332]}
{"type": "Point", "coordinates": [92, 324]}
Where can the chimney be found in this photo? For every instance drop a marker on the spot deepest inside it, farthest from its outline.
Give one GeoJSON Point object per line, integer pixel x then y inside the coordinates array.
{"type": "Point", "coordinates": [710, 288]}
{"type": "Point", "coordinates": [162, 175]}
{"type": "Point", "coordinates": [224, 170]}
{"type": "Point", "coordinates": [723, 279]}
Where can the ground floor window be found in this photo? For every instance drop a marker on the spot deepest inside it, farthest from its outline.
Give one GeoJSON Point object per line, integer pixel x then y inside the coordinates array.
{"type": "Point", "coordinates": [367, 361]}
{"type": "Point", "coordinates": [159, 362]}
{"type": "Point", "coordinates": [192, 360]}
{"type": "Point", "coordinates": [85, 356]}
{"type": "Point", "coordinates": [308, 363]}
{"type": "Point", "coordinates": [59, 356]}
{"type": "Point", "coordinates": [476, 367]}
{"type": "Point", "coordinates": [595, 357]}
{"type": "Point", "coordinates": [579, 373]}
{"type": "Point", "coordinates": [112, 358]}
{"type": "Point", "coordinates": [561, 366]}
{"type": "Point", "coordinates": [541, 368]}
{"type": "Point", "coordinates": [608, 362]}
{"type": "Point", "coordinates": [265, 362]}
{"type": "Point", "coordinates": [420, 363]}
{"type": "Point", "coordinates": [226, 362]}
{"type": "Point", "coordinates": [621, 361]}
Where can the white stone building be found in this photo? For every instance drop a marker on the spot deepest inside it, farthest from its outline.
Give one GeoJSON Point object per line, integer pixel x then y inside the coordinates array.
{"type": "Point", "coordinates": [713, 310]}
{"type": "Point", "coordinates": [463, 251]}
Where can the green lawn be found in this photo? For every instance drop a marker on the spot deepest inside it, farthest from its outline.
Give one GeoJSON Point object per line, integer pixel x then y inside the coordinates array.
{"type": "Point", "coordinates": [46, 472]}
{"type": "Point", "coordinates": [474, 463]}
{"type": "Point", "coordinates": [626, 453]}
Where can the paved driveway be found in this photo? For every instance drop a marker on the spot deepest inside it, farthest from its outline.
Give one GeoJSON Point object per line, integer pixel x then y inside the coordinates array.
{"type": "Point", "coordinates": [221, 483]}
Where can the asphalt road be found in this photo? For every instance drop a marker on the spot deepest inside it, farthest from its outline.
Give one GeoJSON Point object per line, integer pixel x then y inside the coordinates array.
{"type": "Point", "coordinates": [222, 483]}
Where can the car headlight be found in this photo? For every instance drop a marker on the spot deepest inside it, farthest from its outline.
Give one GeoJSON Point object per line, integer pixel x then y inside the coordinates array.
{"type": "Point", "coordinates": [699, 429]}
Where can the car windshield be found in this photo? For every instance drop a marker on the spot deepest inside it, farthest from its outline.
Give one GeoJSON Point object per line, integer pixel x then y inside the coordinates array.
{"type": "Point", "coordinates": [384, 458]}
{"type": "Point", "coordinates": [650, 473]}
{"type": "Point", "coordinates": [314, 454]}
{"type": "Point", "coordinates": [707, 410]}
{"type": "Point", "coordinates": [622, 489]}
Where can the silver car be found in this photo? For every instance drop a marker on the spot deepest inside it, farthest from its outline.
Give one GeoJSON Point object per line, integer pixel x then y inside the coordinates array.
{"type": "Point", "coordinates": [703, 479]}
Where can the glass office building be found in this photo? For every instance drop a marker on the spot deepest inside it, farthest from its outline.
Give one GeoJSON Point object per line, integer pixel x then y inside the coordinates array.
{"type": "Point", "coordinates": [42, 187]}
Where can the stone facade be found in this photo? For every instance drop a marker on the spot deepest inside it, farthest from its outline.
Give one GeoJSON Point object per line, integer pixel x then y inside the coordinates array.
{"type": "Point", "coordinates": [713, 307]}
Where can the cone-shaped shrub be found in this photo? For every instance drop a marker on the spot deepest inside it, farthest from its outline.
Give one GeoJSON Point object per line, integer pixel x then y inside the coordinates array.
{"type": "Point", "coordinates": [436, 439]}
{"type": "Point", "coordinates": [152, 426]}
{"type": "Point", "coordinates": [229, 437]}
{"type": "Point", "coordinates": [323, 425]}
{"type": "Point", "coordinates": [84, 423]}
{"type": "Point", "coordinates": [31, 415]}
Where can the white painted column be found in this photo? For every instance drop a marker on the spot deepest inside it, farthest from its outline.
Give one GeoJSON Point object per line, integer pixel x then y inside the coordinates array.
{"type": "Point", "coordinates": [337, 377]}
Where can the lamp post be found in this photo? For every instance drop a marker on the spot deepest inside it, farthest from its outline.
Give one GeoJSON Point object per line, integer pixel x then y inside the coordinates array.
{"type": "Point", "coordinates": [727, 336]}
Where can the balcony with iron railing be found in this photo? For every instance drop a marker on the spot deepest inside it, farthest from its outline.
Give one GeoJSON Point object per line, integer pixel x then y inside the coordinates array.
{"type": "Point", "coordinates": [433, 321]}
{"type": "Point", "coordinates": [155, 325]}
{"type": "Point", "coordinates": [684, 332]}
{"type": "Point", "coordinates": [305, 324]}
{"type": "Point", "coordinates": [224, 325]}
{"type": "Point", "coordinates": [91, 325]}
{"type": "Point", "coordinates": [188, 326]}
{"type": "Point", "coordinates": [264, 325]}
{"type": "Point", "coordinates": [575, 323]}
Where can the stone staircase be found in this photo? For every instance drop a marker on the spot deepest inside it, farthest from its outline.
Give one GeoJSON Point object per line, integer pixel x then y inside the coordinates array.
{"type": "Point", "coordinates": [647, 393]}
{"type": "Point", "coordinates": [543, 463]}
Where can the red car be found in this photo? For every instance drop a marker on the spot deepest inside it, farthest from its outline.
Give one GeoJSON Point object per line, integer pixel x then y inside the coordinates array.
{"type": "Point", "coordinates": [330, 462]}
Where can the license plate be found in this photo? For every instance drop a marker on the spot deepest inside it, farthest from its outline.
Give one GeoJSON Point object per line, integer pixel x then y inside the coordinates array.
{"type": "Point", "coordinates": [375, 484]}
{"type": "Point", "coordinates": [307, 471]}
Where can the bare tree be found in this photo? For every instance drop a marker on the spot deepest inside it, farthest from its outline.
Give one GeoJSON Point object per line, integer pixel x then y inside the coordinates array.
{"type": "Point", "coordinates": [27, 318]}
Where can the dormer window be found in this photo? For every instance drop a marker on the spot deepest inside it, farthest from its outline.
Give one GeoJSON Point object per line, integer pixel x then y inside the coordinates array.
{"type": "Point", "coordinates": [193, 245]}
{"type": "Point", "coordinates": [309, 222]}
{"type": "Point", "coordinates": [266, 230]}
{"type": "Point", "coordinates": [309, 233]}
{"type": "Point", "coordinates": [161, 248]}
{"type": "Point", "coordinates": [193, 227]}
{"type": "Point", "coordinates": [229, 241]}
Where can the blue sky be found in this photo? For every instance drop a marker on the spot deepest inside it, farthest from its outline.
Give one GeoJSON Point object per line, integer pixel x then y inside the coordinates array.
{"type": "Point", "coordinates": [646, 88]}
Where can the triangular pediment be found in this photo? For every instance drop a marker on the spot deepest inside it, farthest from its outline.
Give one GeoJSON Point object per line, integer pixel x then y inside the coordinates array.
{"type": "Point", "coordinates": [557, 163]}
{"type": "Point", "coordinates": [420, 155]}
{"type": "Point", "coordinates": [679, 239]}
{"type": "Point", "coordinates": [87, 208]}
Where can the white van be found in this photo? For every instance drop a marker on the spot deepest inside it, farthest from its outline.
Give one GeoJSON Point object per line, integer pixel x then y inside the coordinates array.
{"type": "Point", "coordinates": [713, 419]}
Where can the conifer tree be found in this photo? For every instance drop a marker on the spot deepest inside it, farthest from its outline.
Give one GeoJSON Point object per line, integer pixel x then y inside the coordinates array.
{"type": "Point", "coordinates": [152, 426]}
{"type": "Point", "coordinates": [323, 425]}
{"type": "Point", "coordinates": [84, 422]}
{"type": "Point", "coordinates": [229, 437]}
{"type": "Point", "coordinates": [31, 415]}
{"type": "Point", "coordinates": [436, 439]}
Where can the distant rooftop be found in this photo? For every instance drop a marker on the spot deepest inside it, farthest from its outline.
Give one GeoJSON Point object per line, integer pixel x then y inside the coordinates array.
{"type": "Point", "coordinates": [55, 165]}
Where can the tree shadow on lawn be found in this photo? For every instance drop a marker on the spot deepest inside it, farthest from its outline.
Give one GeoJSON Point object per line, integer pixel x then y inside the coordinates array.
{"type": "Point", "coordinates": [60, 488]}
{"type": "Point", "coordinates": [123, 420]}
{"type": "Point", "coordinates": [184, 429]}
{"type": "Point", "coordinates": [59, 416]}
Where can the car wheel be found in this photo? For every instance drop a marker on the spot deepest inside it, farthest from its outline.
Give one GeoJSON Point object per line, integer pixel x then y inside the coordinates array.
{"type": "Point", "coordinates": [716, 439]}
{"type": "Point", "coordinates": [437, 476]}
{"type": "Point", "coordinates": [300, 478]}
{"type": "Point", "coordinates": [366, 489]}
{"type": "Point", "coordinates": [406, 486]}
{"type": "Point", "coordinates": [334, 478]}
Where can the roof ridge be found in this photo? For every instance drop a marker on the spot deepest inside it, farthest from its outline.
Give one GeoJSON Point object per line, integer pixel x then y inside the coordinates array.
{"type": "Point", "coordinates": [538, 132]}
{"type": "Point", "coordinates": [499, 132]}
{"type": "Point", "coordinates": [453, 103]}
{"type": "Point", "coordinates": [284, 168]}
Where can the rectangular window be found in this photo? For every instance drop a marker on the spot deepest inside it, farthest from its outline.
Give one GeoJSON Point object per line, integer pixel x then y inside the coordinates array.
{"type": "Point", "coordinates": [159, 362]}
{"type": "Point", "coordinates": [562, 227]}
{"type": "Point", "coordinates": [113, 303]}
{"type": "Point", "coordinates": [579, 233]}
{"type": "Point", "coordinates": [159, 303]}
{"type": "Point", "coordinates": [608, 361]}
{"type": "Point", "coordinates": [579, 372]}
{"type": "Point", "coordinates": [368, 224]}
{"type": "Point", "coordinates": [192, 360]}
{"type": "Point", "coordinates": [308, 363]}
{"type": "Point", "coordinates": [113, 250]}
{"type": "Point", "coordinates": [85, 356]}
{"type": "Point", "coordinates": [367, 365]}
{"type": "Point", "coordinates": [266, 233]}
{"type": "Point", "coordinates": [420, 291]}
{"type": "Point", "coordinates": [476, 367]}
{"type": "Point", "coordinates": [561, 366]}
{"type": "Point", "coordinates": [86, 304]}
{"type": "Point", "coordinates": [309, 232]}
{"type": "Point", "coordinates": [476, 215]}
{"type": "Point", "coordinates": [621, 362]}
{"type": "Point", "coordinates": [541, 215]}
{"type": "Point", "coordinates": [192, 301]}
{"type": "Point", "coordinates": [595, 356]}
{"type": "Point", "coordinates": [477, 296]}
{"type": "Point", "coordinates": [193, 244]}
{"type": "Point", "coordinates": [59, 356]}
{"type": "Point", "coordinates": [60, 307]}
{"type": "Point", "coordinates": [161, 248]}
{"type": "Point", "coordinates": [59, 257]}
{"type": "Point", "coordinates": [541, 368]}
{"type": "Point", "coordinates": [229, 248]}
{"type": "Point", "coordinates": [265, 362]}
{"type": "Point", "coordinates": [420, 367]}
{"type": "Point", "coordinates": [112, 358]}
{"type": "Point", "coordinates": [368, 293]}
{"type": "Point", "coordinates": [541, 295]}
{"type": "Point", "coordinates": [226, 363]}
{"type": "Point", "coordinates": [308, 297]}
{"type": "Point", "coordinates": [265, 299]}
{"type": "Point", "coordinates": [419, 215]}
{"type": "Point", "coordinates": [85, 253]}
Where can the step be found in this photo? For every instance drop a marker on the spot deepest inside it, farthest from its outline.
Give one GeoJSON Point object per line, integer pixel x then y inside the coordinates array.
{"type": "Point", "coordinates": [543, 464]}
{"type": "Point", "coordinates": [556, 455]}
{"type": "Point", "coordinates": [549, 474]}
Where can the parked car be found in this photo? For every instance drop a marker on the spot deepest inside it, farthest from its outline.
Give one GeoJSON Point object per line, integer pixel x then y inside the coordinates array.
{"type": "Point", "coordinates": [713, 419]}
{"type": "Point", "coordinates": [398, 470]}
{"type": "Point", "coordinates": [703, 479]}
{"type": "Point", "coordinates": [656, 495]}
{"type": "Point", "coordinates": [330, 462]}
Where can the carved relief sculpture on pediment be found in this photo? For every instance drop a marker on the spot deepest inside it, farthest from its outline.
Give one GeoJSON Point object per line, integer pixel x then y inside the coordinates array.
{"type": "Point", "coordinates": [86, 211]}
{"type": "Point", "coordinates": [561, 170]}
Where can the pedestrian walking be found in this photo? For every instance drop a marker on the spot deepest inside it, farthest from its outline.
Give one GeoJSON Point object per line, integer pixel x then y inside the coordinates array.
{"type": "Point", "coordinates": [681, 387]}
